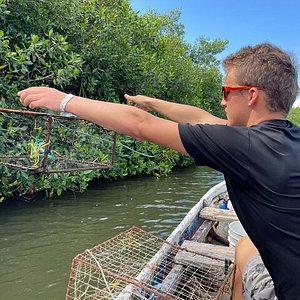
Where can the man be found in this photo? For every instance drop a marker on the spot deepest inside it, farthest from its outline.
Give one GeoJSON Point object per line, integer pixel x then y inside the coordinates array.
{"type": "Point", "coordinates": [256, 149]}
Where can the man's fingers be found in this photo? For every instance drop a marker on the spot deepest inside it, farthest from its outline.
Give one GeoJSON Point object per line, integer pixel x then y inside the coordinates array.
{"type": "Point", "coordinates": [37, 90]}
{"type": "Point", "coordinates": [127, 96]}
{"type": "Point", "coordinates": [31, 90]}
{"type": "Point", "coordinates": [129, 99]}
{"type": "Point", "coordinates": [24, 93]}
{"type": "Point", "coordinates": [43, 97]}
{"type": "Point", "coordinates": [35, 104]}
{"type": "Point", "coordinates": [28, 100]}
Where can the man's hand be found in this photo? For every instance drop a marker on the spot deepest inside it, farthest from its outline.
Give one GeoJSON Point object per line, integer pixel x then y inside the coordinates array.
{"type": "Point", "coordinates": [139, 101]}
{"type": "Point", "coordinates": [42, 97]}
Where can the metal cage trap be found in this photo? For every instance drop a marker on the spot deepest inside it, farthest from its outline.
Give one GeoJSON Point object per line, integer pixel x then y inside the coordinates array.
{"type": "Point", "coordinates": [137, 265]}
{"type": "Point", "coordinates": [44, 143]}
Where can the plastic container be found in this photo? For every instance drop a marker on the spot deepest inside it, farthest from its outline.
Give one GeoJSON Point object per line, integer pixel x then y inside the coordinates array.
{"type": "Point", "coordinates": [232, 242]}
{"type": "Point", "coordinates": [235, 232]}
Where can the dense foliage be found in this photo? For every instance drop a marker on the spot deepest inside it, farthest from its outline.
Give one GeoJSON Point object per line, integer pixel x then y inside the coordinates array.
{"type": "Point", "coordinates": [294, 116]}
{"type": "Point", "coordinates": [102, 49]}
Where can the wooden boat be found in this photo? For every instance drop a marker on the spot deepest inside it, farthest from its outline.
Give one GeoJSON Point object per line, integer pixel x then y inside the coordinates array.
{"type": "Point", "coordinates": [203, 232]}
{"type": "Point", "coordinates": [195, 261]}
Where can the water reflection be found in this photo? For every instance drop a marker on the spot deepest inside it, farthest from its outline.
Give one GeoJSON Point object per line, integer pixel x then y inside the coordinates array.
{"type": "Point", "coordinates": [39, 240]}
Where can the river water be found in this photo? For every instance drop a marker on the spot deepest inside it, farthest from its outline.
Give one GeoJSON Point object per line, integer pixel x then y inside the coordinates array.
{"type": "Point", "coordinates": [39, 239]}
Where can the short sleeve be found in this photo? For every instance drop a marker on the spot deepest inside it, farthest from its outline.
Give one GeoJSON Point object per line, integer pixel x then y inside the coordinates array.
{"type": "Point", "coordinates": [224, 148]}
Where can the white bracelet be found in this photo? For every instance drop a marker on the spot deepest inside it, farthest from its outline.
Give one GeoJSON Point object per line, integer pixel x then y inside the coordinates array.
{"type": "Point", "coordinates": [64, 102]}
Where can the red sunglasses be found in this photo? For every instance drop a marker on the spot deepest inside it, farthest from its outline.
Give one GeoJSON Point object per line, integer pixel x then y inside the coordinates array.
{"type": "Point", "coordinates": [227, 89]}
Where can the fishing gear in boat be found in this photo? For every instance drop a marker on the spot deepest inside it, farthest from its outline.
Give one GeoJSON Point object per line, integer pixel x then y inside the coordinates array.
{"type": "Point", "coordinates": [136, 264]}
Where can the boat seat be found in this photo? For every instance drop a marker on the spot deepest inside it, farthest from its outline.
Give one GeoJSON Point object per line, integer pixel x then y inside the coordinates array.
{"type": "Point", "coordinates": [199, 254]}
{"type": "Point", "coordinates": [216, 214]}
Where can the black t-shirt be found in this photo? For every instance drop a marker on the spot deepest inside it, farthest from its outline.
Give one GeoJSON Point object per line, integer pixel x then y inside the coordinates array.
{"type": "Point", "coordinates": [261, 166]}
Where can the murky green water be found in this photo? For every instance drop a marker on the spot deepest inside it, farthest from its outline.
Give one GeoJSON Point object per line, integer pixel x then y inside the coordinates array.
{"type": "Point", "coordinates": [38, 240]}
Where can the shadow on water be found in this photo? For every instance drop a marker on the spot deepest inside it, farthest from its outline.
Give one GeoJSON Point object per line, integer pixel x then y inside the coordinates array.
{"type": "Point", "coordinates": [39, 239]}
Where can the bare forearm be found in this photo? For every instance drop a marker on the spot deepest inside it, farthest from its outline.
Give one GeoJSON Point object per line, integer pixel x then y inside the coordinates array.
{"type": "Point", "coordinates": [179, 113]}
{"type": "Point", "coordinates": [117, 117]}
{"type": "Point", "coordinates": [129, 120]}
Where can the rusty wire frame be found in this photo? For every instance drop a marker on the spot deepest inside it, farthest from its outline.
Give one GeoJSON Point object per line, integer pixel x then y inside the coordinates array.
{"type": "Point", "coordinates": [135, 265]}
{"type": "Point", "coordinates": [43, 166]}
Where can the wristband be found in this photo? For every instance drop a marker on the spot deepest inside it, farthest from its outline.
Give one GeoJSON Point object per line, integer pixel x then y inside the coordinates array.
{"type": "Point", "coordinates": [64, 102]}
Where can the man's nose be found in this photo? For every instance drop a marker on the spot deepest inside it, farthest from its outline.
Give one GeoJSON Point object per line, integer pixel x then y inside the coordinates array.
{"type": "Point", "coordinates": [223, 103]}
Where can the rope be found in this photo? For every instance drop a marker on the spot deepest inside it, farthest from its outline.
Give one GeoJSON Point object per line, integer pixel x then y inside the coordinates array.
{"type": "Point", "coordinates": [35, 153]}
{"type": "Point", "coordinates": [140, 153]}
{"type": "Point", "coordinates": [102, 273]}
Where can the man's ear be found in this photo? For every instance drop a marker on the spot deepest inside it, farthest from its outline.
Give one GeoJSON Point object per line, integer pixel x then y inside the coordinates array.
{"type": "Point", "coordinates": [253, 97]}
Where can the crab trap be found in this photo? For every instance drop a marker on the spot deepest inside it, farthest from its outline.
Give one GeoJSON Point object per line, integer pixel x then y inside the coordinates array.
{"type": "Point", "coordinates": [43, 143]}
{"type": "Point", "coordinates": [137, 265]}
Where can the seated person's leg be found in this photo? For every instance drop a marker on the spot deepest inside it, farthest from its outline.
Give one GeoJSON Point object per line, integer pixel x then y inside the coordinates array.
{"type": "Point", "coordinates": [244, 251]}
{"type": "Point", "coordinates": [252, 279]}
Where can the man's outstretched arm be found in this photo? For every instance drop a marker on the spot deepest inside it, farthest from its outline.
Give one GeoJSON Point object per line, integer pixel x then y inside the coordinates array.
{"type": "Point", "coordinates": [126, 119]}
{"type": "Point", "coordinates": [176, 112]}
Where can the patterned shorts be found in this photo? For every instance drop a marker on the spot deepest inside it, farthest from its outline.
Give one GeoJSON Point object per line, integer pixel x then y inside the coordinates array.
{"type": "Point", "coordinates": [257, 282]}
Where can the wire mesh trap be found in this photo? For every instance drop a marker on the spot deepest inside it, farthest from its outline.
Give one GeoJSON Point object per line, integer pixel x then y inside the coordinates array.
{"type": "Point", "coordinates": [44, 143]}
{"type": "Point", "coordinates": [138, 265]}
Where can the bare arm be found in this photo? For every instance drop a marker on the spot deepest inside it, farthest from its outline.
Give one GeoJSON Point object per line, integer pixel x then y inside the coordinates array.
{"type": "Point", "coordinates": [121, 118]}
{"type": "Point", "coordinates": [176, 112]}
